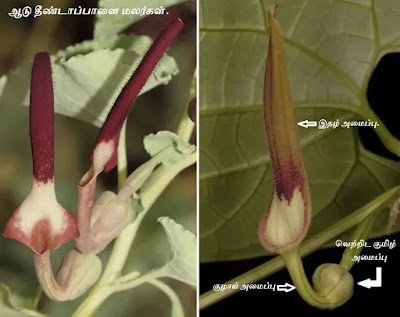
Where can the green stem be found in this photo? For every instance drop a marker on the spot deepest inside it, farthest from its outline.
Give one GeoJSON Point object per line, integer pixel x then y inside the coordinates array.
{"type": "Point", "coordinates": [185, 128]}
{"type": "Point", "coordinates": [388, 140]}
{"type": "Point", "coordinates": [127, 277]}
{"type": "Point", "coordinates": [119, 287]}
{"type": "Point", "coordinates": [276, 264]}
{"type": "Point", "coordinates": [122, 158]}
{"type": "Point", "coordinates": [153, 188]}
{"type": "Point", "coordinates": [177, 309]}
{"type": "Point", "coordinates": [161, 178]}
{"type": "Point", "coordinates": [32, 313]}
{"type": "Point", "coordinates": [89, 307]}
{"type": "Point", "coordinates": [295, 267]}
{"type": "Point", "coordinates": [361, 233]}
{"type": "Point", "coordinates": [117, 258]}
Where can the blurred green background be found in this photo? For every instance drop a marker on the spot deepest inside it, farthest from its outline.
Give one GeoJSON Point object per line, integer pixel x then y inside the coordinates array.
{"type": "Point", "coordinates": [160, 109]}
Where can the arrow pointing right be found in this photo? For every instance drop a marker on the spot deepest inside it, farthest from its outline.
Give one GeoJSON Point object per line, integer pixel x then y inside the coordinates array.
{"type": "Point", "coordinates": [286, 288]}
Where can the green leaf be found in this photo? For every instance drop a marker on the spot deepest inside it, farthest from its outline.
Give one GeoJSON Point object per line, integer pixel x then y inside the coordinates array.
{"type": "Point", "coordinates": [174, 148]}
{"type": "Point", "coordinates": [89, 76]}
{"type": "Point", "coordinates": [18, 305]}
{"type": "Point", "coordinates": [109, 24]}
{"type": "Point", "coordinates": [182, 266]}
{"type": "Point", "coordinates": [5, 294]}
{"type": "Point", "coordinates": [331, 49]}
{"type": "Point", "coordinates": [176, 306]}
{"type": "Point", "coordinates": [28, 297]}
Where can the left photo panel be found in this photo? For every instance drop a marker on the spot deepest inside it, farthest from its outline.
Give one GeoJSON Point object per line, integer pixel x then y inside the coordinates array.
{"type": "Point", "coordinates": [98, 158]}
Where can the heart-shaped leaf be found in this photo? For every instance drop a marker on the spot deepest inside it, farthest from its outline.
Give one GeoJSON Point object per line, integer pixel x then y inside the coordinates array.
{"type": "Point", "coordinates": [129, 12]}
{"type": "Point", "coordinates": [89, 76]}
{"type": "Point", "coordinates": [182, 266]}
{"type": "Point", "coordinates": [173, 148]}
{"type": "Point", "coordinates": [332, 47]}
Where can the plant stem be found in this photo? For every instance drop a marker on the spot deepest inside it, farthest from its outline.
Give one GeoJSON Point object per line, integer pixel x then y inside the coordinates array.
{"type": "Point", "coordinates": [185, 128]}
{"type": "Point", "coordinates": [122, 158]}
{"type": "Point", "coordinates": [361, 233]}
{"type": "Point", "coordinates": [186, 125]}
{"type": "Point", "coordinates": [276, 264]}
{"type": "Point", "coordinates": [295, 267]}
{"type": "Point", "coordinates": [176, 309]}
{"type": "Point", "coordinates": [32, 313]}
{"type": "Point", "coordinates": [89, 307]}
{"type": "Point", "coordinates": [153, 188]}
{"type": "Point", "coordinates": [388, 140]}
{"type": "Point", "coordinates": [100, 291]}
{"type": "Point", "coordinates": [120, 251]}
{"type": "Point", "coordinates": [127, 277]}
{"type": "Point", "coordinates": [117, 259]}
{"type": "Point", "coordinates": [119, 287]}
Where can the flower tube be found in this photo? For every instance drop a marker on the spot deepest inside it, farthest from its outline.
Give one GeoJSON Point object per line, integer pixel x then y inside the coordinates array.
{"type": "Point", "coordinates": [96, 234]}
{"type": "Point", "coordinates": [287, 219]}
{"type": "Point", "coordinates": [40, 222]}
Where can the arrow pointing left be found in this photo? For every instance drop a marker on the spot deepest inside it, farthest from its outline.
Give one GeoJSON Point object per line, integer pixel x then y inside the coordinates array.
{"type": "Point", "coordinates": [307, 124]}
{"type": "Point", "coordinates": [368, 283]}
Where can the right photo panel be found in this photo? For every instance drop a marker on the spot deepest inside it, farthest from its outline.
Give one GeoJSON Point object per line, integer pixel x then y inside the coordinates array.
{"type": "Point", "coordinates": [299, 185]}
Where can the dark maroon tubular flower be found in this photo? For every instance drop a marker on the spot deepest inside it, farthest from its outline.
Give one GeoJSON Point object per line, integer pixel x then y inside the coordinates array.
{"type": "Point", "coordinates": [41, 119]}
{"type": "Point", "coordinates": [105, 157]}
{"type": "Point", "coordinates": [41, 223]}
{"type": "Point", "coordinates": [95, 235]}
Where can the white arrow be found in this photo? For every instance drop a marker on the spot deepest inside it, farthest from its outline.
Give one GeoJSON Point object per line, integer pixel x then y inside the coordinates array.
{"type": "Point", "coordinates": [286, 288]}
{"type": "Point", "coordinates": [368, 283]}
{"type": "Point", "coordinates": [307, 124]}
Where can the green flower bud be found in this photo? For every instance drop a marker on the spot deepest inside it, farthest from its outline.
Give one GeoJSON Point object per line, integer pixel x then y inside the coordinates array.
{"type": "Point", "coordinates": [334, 283]}
{"type": "Point", "coordinates": [78, 272]}
{"type": "Point", "coordinates": [110, 215]}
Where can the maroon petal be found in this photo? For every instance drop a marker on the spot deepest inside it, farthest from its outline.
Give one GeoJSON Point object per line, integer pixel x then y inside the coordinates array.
{"type": "Point", "coordinates": [41, 118]}
{"type": "Point", "coordinates": [104, 156]}
{"type": "Point", "coordinates": [41, 223]}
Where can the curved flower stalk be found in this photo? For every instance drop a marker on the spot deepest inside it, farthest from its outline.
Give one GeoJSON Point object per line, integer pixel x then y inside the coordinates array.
{"type": "Point", "coordinates": [77, 273]}
{"type": "Point", "coordinates": [287, 219]}
{"type": "Point", "coordinates": [40, 222]}
{"type": "Point", "coordinates": [95, 235]}
{"type": "Point", "coordinates": [288, 216]}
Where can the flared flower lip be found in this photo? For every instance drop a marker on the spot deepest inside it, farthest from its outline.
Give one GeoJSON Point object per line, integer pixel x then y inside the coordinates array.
{"type": "Point", "coordinates": [41, 223]}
